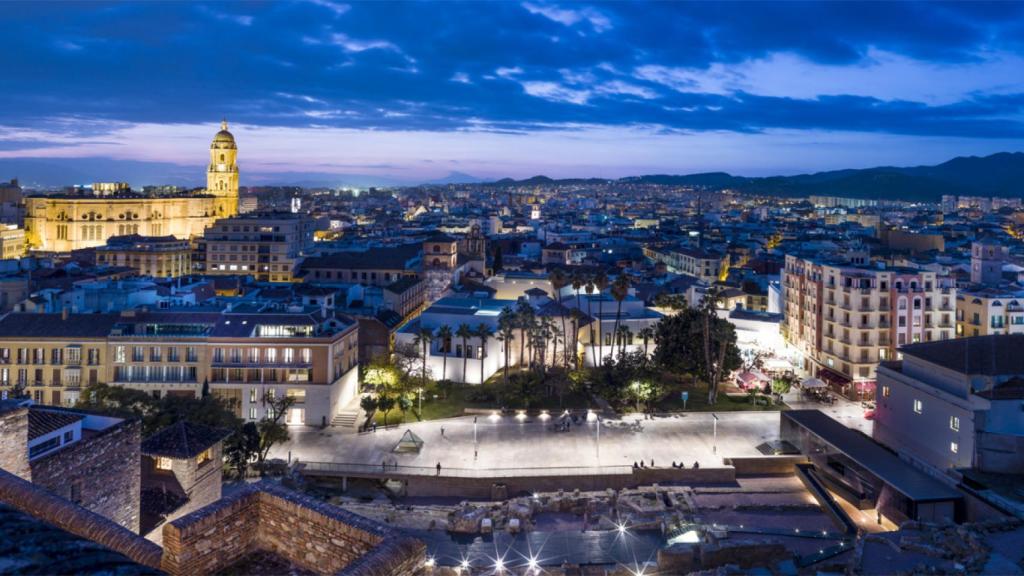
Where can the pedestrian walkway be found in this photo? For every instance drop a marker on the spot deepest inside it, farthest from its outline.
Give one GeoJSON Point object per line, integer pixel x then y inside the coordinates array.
{"type": "Point", "coordinates": [847, 412]}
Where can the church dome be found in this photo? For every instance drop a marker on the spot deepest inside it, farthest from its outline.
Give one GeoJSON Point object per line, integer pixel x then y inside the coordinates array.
{"type": "Point", "coordinates": [224, 138]}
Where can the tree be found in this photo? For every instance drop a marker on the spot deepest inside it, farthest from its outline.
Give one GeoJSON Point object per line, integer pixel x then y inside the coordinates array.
{"type": "Point", "coordinates": [423, 338]}
{"type": "Point", "coordinates": [600, 284]}
{"type": "Point", "coordinates": [558, 281]}
{"type": "Point", "coordinates": [697, 343]}
{"type": "Point", "coordinates": [674, 302]}
{"type": "Point", "coordinates": [647, 334]}
{"type": "Point", "coordinates": [498, 260]}
{"type": "Point", "coordinates": [444, 333]}
{"type": "Point", "coordinates": [524, 317]}
{"type": "Point", "coordinates": [405, 403]}
{"type": "Point", "coordinates": [271, 428]}
{"type": "Point", "coordinates": [506, 334]}
{"type": "Point", "coordinates": [485, 333]}
{"type": "Point", "coordinates": [206, 388]}
{"type": "Point", "coordinates": [589, 288]}
{"type": "Point", "coordinates": [368, 403]}
{"type": "Point", "coordinates": [242, 447]}
{"type": "Point", "coordinates": [385, 403]}
{"type": "Point", "coordinates": [620, 290]}
{"type": "Point", "coordinates": [464, 332]}
{"type": "Point", "coordinates": [578, 280]}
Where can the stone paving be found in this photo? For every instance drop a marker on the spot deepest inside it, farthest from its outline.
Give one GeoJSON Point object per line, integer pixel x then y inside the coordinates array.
{"type": "Point", "coordinates": [511, 442]}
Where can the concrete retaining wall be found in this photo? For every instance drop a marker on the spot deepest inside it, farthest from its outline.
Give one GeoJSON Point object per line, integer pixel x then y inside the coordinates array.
{"type": "Point", "coordinates": [480, 488]}
{"type": "Point", "coordinates": [765, 465]}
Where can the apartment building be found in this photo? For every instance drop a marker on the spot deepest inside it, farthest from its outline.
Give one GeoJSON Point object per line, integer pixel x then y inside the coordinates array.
{"type": "Point", "coordinates": [845, 319]}
{"type": "Point", "coordinates": [701, 263]}
{"type": "Point", "coordinates": [156, 256]}
{"type": "Point", "coordinates": [955, 404]}
{"type": "Point", "coordinates": [268, 246]}
{"type": "Point", "coordinates": [372, 267]}
{"type": "Point", "coordinates": [989, 311]}
{"type": "Point", "coordinates": [242, 355]}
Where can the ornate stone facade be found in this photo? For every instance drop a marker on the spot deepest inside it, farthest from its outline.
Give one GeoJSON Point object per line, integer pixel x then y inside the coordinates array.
{"type": "Point", "coordinates": [61, 223]}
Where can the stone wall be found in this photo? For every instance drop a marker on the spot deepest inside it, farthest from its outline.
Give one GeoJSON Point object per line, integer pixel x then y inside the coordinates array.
{"type": "Point", "coordinates": [39, 503]}
{"type": "Point", "coordinates": [14, 443]}
{"type": "Point", "coordinates": [309, 533]}
{"type": "Point", "coordinates": [764, 465]}
{"type": "Point", "coordinates": [101, 473]}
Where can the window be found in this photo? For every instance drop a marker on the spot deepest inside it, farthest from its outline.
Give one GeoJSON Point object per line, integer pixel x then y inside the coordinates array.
{"type": "Point", "coordinates": [954, 447]}
{"type": "Point", "coordinates": [954, 424]}
{"type": "Point", "coordinates": [886, 391]}
{"type": "Point", "coordinates": [252, 413]}
{"type": "Point", "coordinates": [918, 406]}
{"type": "Point", "coordinates": [252, 395]}
{"type": "Point", "coordinates": [44, 447]}
{"type": "Point", "coordinates": [204, 456]}
{"type": "Point", "coordinates": [69, 436]}
{"type": "Point", "coordinates": [163, 463]}
{"type": "Point", "coordinates": [119, 354]}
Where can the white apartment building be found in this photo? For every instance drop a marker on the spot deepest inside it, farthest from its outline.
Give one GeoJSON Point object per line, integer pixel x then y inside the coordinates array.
{"type": "Point", "coordinates": [846, 319]}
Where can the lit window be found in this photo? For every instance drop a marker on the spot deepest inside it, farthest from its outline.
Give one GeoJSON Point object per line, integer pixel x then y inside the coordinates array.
{"type": "Point", "coordinates": [163, 463]}
{"type": "Point", "coordinates": [918, 406]}
{"type": "Point", "coordinates": [954, 424]}
{"type": "Point", "coordinates": [885, 391]}
{"type": "Point", "coordinates": [954, 447]}
{"type": "Point", "coordinates": [204, 456]}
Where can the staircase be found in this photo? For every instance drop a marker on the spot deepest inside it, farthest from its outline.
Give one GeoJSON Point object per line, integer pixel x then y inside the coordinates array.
{"type": "Point", "coordinates": [346, 418]}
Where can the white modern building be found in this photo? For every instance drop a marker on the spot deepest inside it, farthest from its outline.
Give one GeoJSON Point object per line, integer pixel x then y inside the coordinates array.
{"type": "Point", "coordinates": [955, 404]}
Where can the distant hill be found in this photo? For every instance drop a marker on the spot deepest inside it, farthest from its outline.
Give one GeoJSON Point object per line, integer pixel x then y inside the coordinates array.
{"type": "Point", "coordinates": [1000, 174]}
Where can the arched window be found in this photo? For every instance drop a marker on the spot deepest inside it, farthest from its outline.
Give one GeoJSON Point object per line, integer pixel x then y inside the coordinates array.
{"type": "Point", "coordinates": [997, 303]}
{"type": "Point", "coordinates": [221, 157]}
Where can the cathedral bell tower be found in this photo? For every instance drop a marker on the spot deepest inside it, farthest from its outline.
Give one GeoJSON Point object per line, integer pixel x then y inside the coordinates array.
{"type": "Point", "coordinates": [222, 174]}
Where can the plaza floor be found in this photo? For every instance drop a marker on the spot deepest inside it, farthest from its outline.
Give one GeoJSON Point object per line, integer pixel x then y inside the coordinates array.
{"type": "Point", "coordinates": [514, 443]}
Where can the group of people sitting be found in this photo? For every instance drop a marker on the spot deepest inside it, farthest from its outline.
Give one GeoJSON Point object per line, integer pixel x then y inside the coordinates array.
{"type": "Point", "coordinates": [681, 465]}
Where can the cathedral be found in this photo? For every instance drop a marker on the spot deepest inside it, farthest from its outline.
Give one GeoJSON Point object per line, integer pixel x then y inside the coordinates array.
{"type": "Point", "coordinates": [65, 222]}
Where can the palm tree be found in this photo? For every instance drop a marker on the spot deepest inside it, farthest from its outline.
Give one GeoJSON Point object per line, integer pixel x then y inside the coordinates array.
{"type": "Point", "coordinates": [423, 338]}
{"type": "Point", "coordinates": [444, 333]}
{"type": "Point", "coordinates": [647, 334]}
{"type": "Point", "coordinates": [464, 332]}
{"type": "Point", "coordinates": [601, 284]}
{"type": "Point", "coordinates": [559, 281]}
{"type": "Point", "coordinates": [708, 309]}
{"type": "Point", "coordinates": [506, 333]}
{"type": "Point", "coordinates": [577, 281]}
{"type": "Point", "coordinates": [622, 335]}
{"type": "Point", "coordinates": [524, 317]}
{"type": "Point", "coordinates": [484, 332]}
{"type": "Point", "coordinates": [590, 291]}
{"type": "Point", "coordinates": [620, 289]}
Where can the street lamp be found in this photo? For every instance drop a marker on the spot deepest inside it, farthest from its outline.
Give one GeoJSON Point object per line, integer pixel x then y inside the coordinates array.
{"type": "Point", "coordinates": [714, 446]}
{"type": "Point", "coordinates": [475, 445]}
{"type": "Point", "coordinates": [419, 395]}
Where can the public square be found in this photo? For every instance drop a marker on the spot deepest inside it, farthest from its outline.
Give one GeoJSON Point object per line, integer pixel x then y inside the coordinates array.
{"type": "Point", "coordinates": [511, 442]}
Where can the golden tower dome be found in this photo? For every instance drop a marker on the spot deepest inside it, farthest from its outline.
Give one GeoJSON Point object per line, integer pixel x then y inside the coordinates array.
{"type": "Point", "coordinates": [223, 139]}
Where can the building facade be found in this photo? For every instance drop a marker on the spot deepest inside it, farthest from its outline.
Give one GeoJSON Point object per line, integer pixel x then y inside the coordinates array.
{"type": "Point", "coordinates": [267, 246]}
{"type": "Point", "coordinates": [955, 404]}
{"type": "Point", "coordinates": [846, 319]}
{"type": "Point", "coordinates": [66, 222]}
{"type": "Point", "coordinates": [989, 311]}
{"type": "Point", "coordinates": [242, 356]}
{"type": "Point", "coordinates": [162, 257]}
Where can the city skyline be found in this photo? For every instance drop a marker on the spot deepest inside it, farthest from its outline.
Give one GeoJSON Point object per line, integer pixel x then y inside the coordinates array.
{"type": "Point", "coordinates": [403, 94]}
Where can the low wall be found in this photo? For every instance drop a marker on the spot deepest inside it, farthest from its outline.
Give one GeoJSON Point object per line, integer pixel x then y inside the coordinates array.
{"type": "Point", "coordinates": [311, 534]}
{"type": "Point", "coordinates": [39, 503]}
{"type": "Point", "coordinates": [480, 488]}
{"type": "Point", "coordinates": [765, 465]}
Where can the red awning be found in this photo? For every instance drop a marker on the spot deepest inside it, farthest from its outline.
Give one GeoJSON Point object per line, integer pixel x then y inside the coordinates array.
{"type": "Point", "coordinates": [832, 377]}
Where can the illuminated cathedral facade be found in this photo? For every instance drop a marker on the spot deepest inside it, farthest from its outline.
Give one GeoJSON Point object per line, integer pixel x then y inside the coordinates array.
{"type": "Point", "coordinates": [62, 223]}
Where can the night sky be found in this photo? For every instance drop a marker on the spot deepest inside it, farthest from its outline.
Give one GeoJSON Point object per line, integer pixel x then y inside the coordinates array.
{"type": "Point", "coordinates": [409, 92]}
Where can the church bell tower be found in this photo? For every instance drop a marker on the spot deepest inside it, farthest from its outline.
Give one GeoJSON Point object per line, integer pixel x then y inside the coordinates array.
{"type": "Point", "coordinates": [222, 174]}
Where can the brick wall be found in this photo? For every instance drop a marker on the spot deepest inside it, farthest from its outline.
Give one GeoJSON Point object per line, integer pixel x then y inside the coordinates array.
{"type": "Point", "coordinates": [311, 534]}
{"type": "Point", "coordinates": [14, 443]}
{"type": "Point", "coordinates": [103, 469]}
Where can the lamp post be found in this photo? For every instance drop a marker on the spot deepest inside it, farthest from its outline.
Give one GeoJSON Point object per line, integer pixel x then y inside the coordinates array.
{"type": "Point", "coordinates": [599, 439]}
{"type": "Point", "coordinates": [714, 445]}
{"type": "Point", "coordinates": [419, 396]}
{"type": "Point", "coordinates": [475, 445]}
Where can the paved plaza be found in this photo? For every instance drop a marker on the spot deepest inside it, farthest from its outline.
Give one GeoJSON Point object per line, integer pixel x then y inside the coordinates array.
{"type": "Point", "coordinates": [511, 442]}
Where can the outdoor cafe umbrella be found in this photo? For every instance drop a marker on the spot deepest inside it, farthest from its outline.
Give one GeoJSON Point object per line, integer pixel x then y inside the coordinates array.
{"type": "Point", "coordinates": [812, 382]}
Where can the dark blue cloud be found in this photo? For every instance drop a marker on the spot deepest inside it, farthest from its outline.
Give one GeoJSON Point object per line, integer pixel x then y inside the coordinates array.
{"type": "Point", "coordinates": [434, 66]}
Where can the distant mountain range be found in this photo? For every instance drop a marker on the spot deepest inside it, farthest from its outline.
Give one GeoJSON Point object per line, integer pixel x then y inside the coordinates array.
{"type": "Point", "coordinates": [1000, 174]}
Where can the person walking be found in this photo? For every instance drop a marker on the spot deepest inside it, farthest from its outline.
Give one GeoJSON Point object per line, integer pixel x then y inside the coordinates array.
{"type": "Point", "coordinates": [438, 468]}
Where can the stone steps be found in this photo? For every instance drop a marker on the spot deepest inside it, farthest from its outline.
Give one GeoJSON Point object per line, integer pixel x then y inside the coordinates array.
{"type": "Point", "coordinates": [345, 419]}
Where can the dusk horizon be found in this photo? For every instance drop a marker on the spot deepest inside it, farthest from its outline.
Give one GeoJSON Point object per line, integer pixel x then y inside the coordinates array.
{"type": "Point", "coordinates": [367, 93]}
